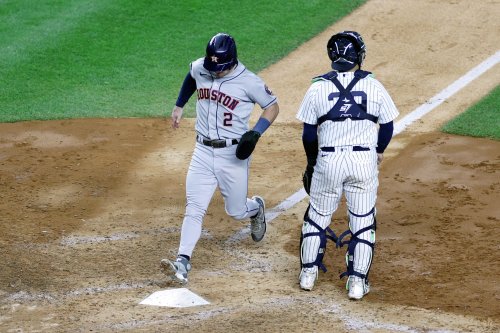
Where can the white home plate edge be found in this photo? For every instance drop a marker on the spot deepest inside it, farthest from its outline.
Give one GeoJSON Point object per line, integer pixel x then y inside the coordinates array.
{"type": "Point", "coordinates": [174, 298]}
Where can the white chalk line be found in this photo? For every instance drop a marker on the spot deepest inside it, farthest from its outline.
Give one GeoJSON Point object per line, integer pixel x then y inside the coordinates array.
{"type": "Point", "coordinates": [446, 93]}
{"type": "Point", "coordinates": [356, 324]}
{"type": "Point", "coordinates": [165, 320]}
{"type": "Point", "coordinates": [407, 120]}
{"type": "Point", "coordinates": [74, 240]}
{"type": "Point", "coordinates": [279, 303]}
{"type": "Point", "coordinates": [24, 296]}
{"type": "Point", "coordinates": [271, 214]}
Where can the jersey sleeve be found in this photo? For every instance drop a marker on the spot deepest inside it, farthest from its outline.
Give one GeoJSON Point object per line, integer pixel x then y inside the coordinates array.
{"type": "Point", "coordinates": [307, 111]}
{"type": "Point", "coordinates": [259, 92]}
{"type": "Point", "coordinates": [388, 111]}
{"type": "Point", "coordinates": [196, 69]}
{"type": "Point", "coordinates": [187, 90]}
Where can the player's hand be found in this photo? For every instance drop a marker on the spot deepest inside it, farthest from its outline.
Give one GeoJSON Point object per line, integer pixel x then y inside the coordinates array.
{"type": "Point", "coordinates": [176, 116]}
{"type": "Point", "coordinates": [380, 157]}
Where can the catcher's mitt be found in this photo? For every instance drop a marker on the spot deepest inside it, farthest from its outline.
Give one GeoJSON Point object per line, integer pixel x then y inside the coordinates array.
{"type": "Point", "coordinates": [307, 178]}
{"type": "Point", "coordinates": [247, 144]}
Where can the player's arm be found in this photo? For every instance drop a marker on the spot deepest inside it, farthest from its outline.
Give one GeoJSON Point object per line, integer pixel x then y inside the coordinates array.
{"type": "Point", "coordinates": [187, 90]}
{"type": "Point", "coordinates": [249, 140]}
{"type": "Point", "coordinates": [259, 93]}
{"type": "Point", "coordinates": [388, 114]}
{"type": "Point", "coordinates": [384, 137]}
{"type": "Point", "coordinates": [267, 118]}
{"type": "Point", "coordinates": [271, 113]}
{"type": "Point", "coordinates": [310, 143]}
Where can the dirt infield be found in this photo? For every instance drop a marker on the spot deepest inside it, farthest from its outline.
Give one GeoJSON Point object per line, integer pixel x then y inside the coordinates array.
{"type": "Point", "coordinates": [89, 207]}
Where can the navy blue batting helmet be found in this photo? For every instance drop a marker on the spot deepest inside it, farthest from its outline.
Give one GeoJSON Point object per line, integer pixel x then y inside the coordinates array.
{"type": "Point", "coordinates": [221, 53]}
{"type": "Point", "coordinates": [346, 50]}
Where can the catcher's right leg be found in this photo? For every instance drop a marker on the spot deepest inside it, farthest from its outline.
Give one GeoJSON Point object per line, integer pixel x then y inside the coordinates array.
{"type": "Point", "coordinates": [312, 248]}
{"type": "Point", "coordinates": [360, 253]}
{"type": "Point", "coordinates": [361, 196]}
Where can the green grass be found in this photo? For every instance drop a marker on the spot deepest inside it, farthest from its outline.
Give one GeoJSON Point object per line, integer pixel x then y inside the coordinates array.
{"type": "Point", "coordinates": [127, 58]}
{"type": "Point", "coordinates": [480, 120]}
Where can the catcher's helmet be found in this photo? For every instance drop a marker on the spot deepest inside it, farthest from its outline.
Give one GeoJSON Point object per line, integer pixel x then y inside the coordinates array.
{"type": "Point", "coordinates": [221, 53]}
{"type": "Point", "coordinates": [346, 50]}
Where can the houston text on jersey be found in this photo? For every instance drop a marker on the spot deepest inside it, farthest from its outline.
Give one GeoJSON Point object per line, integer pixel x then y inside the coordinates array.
{"type": "Point", "coordinates": [221, 98]}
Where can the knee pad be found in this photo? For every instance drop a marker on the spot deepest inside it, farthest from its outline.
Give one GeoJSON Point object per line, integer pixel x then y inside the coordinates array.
{"type": "Point", "coordinates": [362, 236]}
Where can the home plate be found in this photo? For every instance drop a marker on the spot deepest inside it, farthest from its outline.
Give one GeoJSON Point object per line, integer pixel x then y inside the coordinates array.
{"type": "Point", "coordinates": [174, 298]}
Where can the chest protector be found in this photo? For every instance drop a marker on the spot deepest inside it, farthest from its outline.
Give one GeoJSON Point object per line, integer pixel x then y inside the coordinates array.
{"type": "Point", "coordinates": [346, 107]}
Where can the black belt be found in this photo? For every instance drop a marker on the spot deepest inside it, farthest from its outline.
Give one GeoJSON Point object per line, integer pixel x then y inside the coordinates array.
{"type": "Point", "coordinates": [219, 143]}
{"type": "Point", "coordinates": [354, 148]}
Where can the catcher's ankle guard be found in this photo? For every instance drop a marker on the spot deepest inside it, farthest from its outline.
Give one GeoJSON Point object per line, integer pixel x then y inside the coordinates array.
{"type": "Point", "coordinates": [322, 234]}
{"type": "Point", "coordinates": [353, 242]}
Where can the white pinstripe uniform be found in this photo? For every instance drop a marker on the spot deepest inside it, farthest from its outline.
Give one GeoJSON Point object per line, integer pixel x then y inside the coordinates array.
{"type": "Point", "coordinates": [354, 173]}
{"type": "Point", "coordinates": [223, 111]}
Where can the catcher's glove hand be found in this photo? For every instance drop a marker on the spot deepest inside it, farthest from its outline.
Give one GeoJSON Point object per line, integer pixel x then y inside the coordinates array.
{"type": "Point", "coordinates": [307, 178]}
{"type": "Point", "coordinates": [247, 144]}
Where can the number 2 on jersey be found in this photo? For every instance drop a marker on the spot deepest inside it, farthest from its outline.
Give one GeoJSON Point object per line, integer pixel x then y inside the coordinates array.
{"type": "Point", "coordinates": [228, 117]}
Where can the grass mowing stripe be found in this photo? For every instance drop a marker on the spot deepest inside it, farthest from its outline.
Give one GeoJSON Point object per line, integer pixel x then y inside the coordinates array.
{"type": "Point", "coordinates": [128, 58]}
{"type": "Point", "coordinates": [28, 27]}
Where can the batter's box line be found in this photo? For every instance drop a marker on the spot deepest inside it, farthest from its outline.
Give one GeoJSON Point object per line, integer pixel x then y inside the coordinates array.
{"type": "Point", "coordinates": [53, 297]}
{"type": "Point", "coordinates": [271, 214]}
{"type": "Point", "coordinates": [120, 236]}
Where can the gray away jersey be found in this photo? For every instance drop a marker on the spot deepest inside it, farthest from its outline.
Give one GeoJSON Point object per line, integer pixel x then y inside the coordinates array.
{"type": "Point", "coordinates": [224, 105]}
{"type": "Point", "coordinates": [318, 100]}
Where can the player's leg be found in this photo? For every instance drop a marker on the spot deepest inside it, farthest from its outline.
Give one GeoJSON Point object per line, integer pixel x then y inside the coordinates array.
{"type": "Point", "coordinates": [325, 195]}
{"type": "Point", "coordinates": [312, 246]}
{"type": "Point", "coordinates": [232, 174]}
{"type": "Point", "coordinates": [201, 183]}
{"type": "Point", "coordinates": [361, 196]}
{"type": "Point", "coordinates": [200, 187]}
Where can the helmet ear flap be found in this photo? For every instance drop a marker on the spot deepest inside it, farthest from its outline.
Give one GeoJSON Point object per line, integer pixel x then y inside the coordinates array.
{"type": "Point", "coordinates": [361, 57]}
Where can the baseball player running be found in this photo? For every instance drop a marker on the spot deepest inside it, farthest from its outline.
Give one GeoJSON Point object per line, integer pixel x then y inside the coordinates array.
{"type": "Point", "coordinates": [348, 123]}
{"type": "Point", "coordinates": [226, 94]}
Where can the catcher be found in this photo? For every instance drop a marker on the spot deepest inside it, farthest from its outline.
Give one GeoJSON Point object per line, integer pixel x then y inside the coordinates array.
{"type": "Point", "coordinates": [348, 123]}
